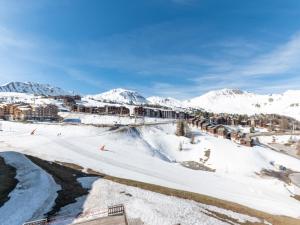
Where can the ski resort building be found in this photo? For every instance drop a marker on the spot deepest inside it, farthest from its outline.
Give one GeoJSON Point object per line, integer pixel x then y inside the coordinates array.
{"type": "Point", "coordinates": [44, 112]}
{"type": "Point", "coordinates": [105, 110]}
{"type": "Point", "coordinates": [23, 112]}
{"type": "Point", "coordinates": [159, 113]}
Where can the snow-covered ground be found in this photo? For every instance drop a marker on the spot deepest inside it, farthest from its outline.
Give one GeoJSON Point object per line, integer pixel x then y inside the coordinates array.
{"type": "Point", "coordinates": [87, 118]}
{"type": "Point", "coordinates": [150, 154]}
{"type": "Point", "coordinates": [282, 139]}
{"type": "Point", "coordinates": [152, 208]}
{"type": "Point", "coordinates": [34, 194]}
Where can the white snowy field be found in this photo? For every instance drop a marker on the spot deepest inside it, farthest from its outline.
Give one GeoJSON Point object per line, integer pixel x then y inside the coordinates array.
{"type": "Point", "coordinates": [94, 119]}
{"type": "Point", "coordinates": [281, 139]}
{"type": "Point", "coordinates": [150, 153]}
{"type": "Point", "coordinates": [150, 207]}
{"type": "Point", "coordinates": [34, 194]}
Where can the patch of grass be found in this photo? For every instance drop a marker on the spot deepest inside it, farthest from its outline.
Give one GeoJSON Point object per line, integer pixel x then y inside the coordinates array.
{"type": "Point", "coordinates": [8, 182]}
{"type": "Point", "coordinates": [64, 174]}
{"type": "Point", "coordinates": [297, 197]}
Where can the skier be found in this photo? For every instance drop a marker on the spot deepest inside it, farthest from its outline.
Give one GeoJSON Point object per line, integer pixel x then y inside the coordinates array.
{"type": "Point", "coordinates": [33, 132]}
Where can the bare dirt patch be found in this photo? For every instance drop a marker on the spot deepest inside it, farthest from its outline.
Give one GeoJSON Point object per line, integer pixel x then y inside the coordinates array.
{"type": "Point", "coordinates": [8, 182]}
{"type": "Point", "coordinates": [196, 166]}
{"type": "Point", "coordinates": [280, 175]}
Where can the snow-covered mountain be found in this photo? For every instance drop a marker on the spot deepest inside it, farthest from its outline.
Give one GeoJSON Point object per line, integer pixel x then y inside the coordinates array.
{"type": "Point", "coordinates": [120, 95]}
{"type": "Point", "coordinates": [168, 102]}
{"type": "Point", "coordinates": [242, 102]}
{"type": "Point", "coordinates": [33, 88]}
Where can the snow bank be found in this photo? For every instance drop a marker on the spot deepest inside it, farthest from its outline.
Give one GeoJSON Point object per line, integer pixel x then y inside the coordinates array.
{"type": "Point", "coordinates": [34, 194]}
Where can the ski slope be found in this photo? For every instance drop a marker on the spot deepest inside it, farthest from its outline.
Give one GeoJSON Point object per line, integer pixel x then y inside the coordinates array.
{"type": "Point", "coordinates": [150, 154]}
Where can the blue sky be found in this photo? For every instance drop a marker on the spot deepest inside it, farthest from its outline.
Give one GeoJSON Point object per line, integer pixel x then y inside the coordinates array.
{"type": "Point", "coordinates": [177, 48]}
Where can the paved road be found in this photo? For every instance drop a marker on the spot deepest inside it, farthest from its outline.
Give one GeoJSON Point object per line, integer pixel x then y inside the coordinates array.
{"type": "Point", "coordinates": [112, 220]}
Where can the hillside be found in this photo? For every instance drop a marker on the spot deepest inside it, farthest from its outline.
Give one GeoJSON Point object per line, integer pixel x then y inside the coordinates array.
{"type": "Point", "coordinates": [242, 102]}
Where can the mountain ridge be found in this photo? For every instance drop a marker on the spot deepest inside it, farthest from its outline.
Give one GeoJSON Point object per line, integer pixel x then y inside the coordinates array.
{"type": "Point", "coordinates": [33, 88]}
{"type": "Point", "coordinates": [219, 101]}
{"type": "Point", "coordinates": [120, 95]}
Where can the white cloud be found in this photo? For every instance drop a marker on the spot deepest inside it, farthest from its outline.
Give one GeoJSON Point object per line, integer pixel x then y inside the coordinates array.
{"type": "Point", "coordinates": [283, 59]}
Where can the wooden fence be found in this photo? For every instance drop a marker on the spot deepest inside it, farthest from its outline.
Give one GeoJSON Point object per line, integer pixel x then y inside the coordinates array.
{"type": "Point", "coordinates": [116, 210]}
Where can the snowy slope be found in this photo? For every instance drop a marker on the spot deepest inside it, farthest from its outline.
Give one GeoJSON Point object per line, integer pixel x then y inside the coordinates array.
{"type": "Point", "coordinates": [34, 194]}
{"type": "Point", "coordinates": [150, 154]}
{"type": "Point", "coordinates": [241, 102]}
{"type": "Point", "coordinates": [153, 208]}
{"type": "Point", "coordinates": [168, 102]}
{"type": "Point", "coordinates": [120, 95]}
{"type": "Point", "coordinates": [33, 88]}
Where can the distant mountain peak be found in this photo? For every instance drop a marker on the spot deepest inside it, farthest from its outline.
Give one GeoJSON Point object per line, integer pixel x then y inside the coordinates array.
{"type": "Point", "coordinates": [33, 88]}
{"type": "Point", "coordinates": [166, 101]}
{"type": "Point", "coordinates": [120, 95]}
{"type": "Point", "coordinates": [226, 91]}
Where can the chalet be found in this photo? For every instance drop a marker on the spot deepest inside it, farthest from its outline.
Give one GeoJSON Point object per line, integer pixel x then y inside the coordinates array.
{"type": "Point", "coordinates": [194, 120]}
{"type": "Point", "coordinates": [222, 131]}
{"type": "Point", "coordinates": [23, 113]}
{"type": "Point", "coordinates": [236, 135]}
{"type": "Point", "coordinates": [212, 129]}
{"type": "Point", "coordinates": [205, 126]}
{"type": "Point", "coordinates": [247, 142]}
{"type": "Point", "coordinates": [200, 122]}
{"type": "Point", "coordinates": [9, 110]}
